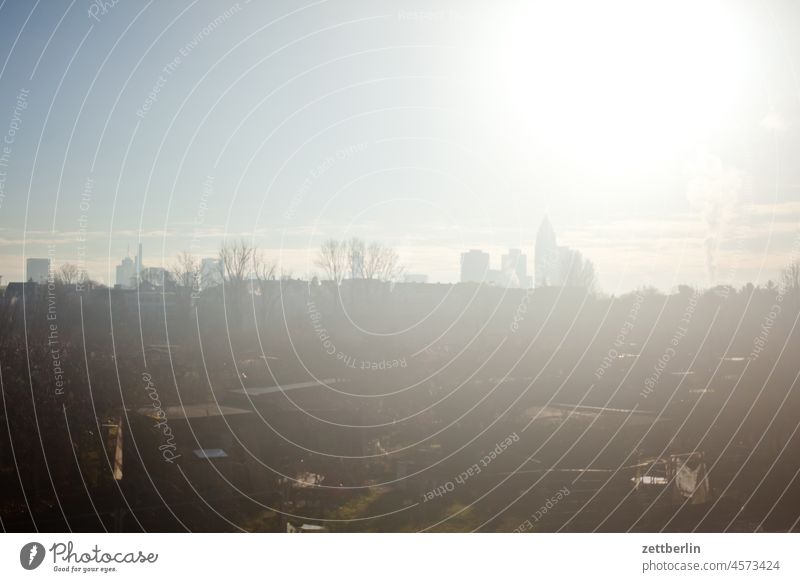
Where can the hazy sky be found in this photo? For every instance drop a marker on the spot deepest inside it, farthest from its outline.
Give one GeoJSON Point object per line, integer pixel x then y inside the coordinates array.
{"type": "Point", "coordinates": [660, 138]}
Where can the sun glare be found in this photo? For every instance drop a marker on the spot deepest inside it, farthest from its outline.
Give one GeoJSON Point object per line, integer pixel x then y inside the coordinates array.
{"type": "Point", "coordinates": [616, 82]}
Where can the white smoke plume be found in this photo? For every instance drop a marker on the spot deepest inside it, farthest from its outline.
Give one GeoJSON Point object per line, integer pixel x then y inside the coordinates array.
{"type": "Point", "coordinates": [714, 190]}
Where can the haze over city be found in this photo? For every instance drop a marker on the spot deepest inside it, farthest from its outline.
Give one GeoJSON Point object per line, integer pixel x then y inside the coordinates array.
{"type": "Point", "coordinates": [434, 129]}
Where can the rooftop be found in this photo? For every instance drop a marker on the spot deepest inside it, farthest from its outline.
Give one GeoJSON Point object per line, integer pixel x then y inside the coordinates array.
{"type": "Point", "coordinates": [189, 411]}
{"type": "Point", "coordinates": [261, 391]}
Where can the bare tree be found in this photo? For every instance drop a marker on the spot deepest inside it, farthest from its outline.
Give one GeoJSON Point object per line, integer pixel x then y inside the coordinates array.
{"type": "Point", "coordinates": [264, 273]}
{"type": "Point", "coordinates": [263, 270]}
{"type": "Point", "coordinates": [790, 278]}
{"type": "Point", "coordinates": [155, 277]}
{"type": "Point", "coordinates": [186, 271]}
{"type": "Point", "coordinates": [68, 274]}
{"type": "Point", "coordinates": [359, 260]}
{"type": "Point", "coordinates": [212, 275]}
{"type": "Point", "coordinates": [381, 262]}
{"type": "Point", "coordinates": [236, 261]}
{"type": "Point", "coordinates": [356, 257]}
{"type": "Point", "coordinates": [790, 282]}
{"type": "Point", "coordinates": [236, 264]}
{"type": "Point", "coordinates": [84, 281]}
{"type": "Point", "coordinates": [332, 259]}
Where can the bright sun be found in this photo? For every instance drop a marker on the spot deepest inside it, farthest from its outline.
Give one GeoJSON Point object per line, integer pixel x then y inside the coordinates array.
{"type": "Point", "coordinates": [615, 82]}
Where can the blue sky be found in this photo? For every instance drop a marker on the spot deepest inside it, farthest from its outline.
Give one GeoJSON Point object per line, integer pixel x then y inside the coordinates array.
{"type": "Point", "coordinates": [432, 129]}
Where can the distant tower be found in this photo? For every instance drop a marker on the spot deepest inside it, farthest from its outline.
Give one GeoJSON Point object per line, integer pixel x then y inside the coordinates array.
{"type": "Point", "coordinates": [125, 272]}
{"type": "Point", "coordinates": [139, 265]}
{"type": "Point", "coordinates": [546, 256]}
{"type": "Point", "coordinates": [514, 267]}
{"type": "Point", "coordinates": [37, 270]}
{"type": "Point", "coordinates": [474, 266]}
{"type": "Point", "coordinates": [210, 272]}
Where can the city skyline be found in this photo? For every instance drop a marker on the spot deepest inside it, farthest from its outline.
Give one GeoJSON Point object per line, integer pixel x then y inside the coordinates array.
{"type": "Point", "coordinates": [730, 265]}
{"type": "Point", "coordinates": [475, 267]}
{"type": "Point", "coordinates": [423, 159]}
{"type": "Point", "coordinates": [339, 267]}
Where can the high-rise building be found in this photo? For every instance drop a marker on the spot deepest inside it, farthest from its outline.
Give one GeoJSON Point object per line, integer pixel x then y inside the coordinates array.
{"type": "Point", "coordinates": [568, 260]}
{"type": "Point", "coordinates": [155, 276]}
{"type": "Point", "coordinates": [474, 266]}
{"type": "Point", "coordinates": [356, 264]}
{"type": "Point", "coordinates": [558, 266]}
{"type": "Point", "coordinates": [210, 272]}
{"type": "Point", "coordinates": [139, 264]}
{"type": "Point", "coordinates": [126, 273]}
{"type": "Point", "coordinates": [37, 270]}
{"type": "Point", "coordinates": [547, 257]}
{"type": "Point", "coordinates": [514, 267]}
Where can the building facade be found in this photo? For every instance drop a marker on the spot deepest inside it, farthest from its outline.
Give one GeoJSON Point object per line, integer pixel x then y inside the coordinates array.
{"type": "Point", "coordinates": [474, 266]}
{"type": "Point", "coordinates": [37, 270]}
{"type": "Point", "coordinates": [126, 273]}
{"type": "Point", "coordinates": [547, 257]}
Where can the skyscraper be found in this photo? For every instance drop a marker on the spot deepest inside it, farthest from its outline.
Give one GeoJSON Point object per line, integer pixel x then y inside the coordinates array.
{"type": "Point", "coordinates": [546, 257]}
{"type": "Point", "coordinates": [139, 264]}
{"type": "Point", "coordinates": [474, 266]}
{"type": "Point", "coordinates": [514, 267]}
{"type": "Point", "coordinates": [37, 270]}
{"type": "Point", "coordinates": [558, 266]}
{"type": "Point", "coordinates": [126, 271]}
{"type": "Point", "coordinates": [210, 272]}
